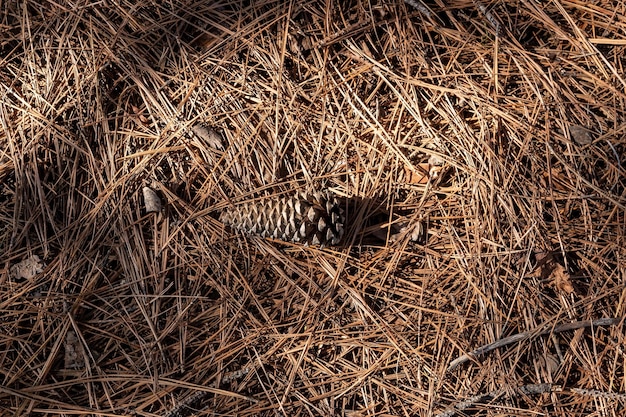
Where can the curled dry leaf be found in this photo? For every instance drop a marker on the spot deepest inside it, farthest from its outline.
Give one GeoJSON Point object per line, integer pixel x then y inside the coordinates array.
{"type": "Point", "coordinates": [151, 200]}
{"type": "Point", "coordinates": [28, 268]}
{"type": "Point", "coordinates": [561, 279]}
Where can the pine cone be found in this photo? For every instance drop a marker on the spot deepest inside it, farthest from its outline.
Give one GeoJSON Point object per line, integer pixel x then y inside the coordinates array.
{"type": "Point", "coordinates": [311, 218]}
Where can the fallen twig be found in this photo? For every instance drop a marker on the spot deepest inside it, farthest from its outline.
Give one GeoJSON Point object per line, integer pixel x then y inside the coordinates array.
{"type": "Point", "coordinates": [521, 336]}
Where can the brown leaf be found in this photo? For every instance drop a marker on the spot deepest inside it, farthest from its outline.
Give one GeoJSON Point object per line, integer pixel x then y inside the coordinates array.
{"type": "Point", "coordinates": [548, 363]}
{"type": "Point", "coordinates": [209, 134]}
{"type": "Point", "coordinates": [139, 114]}
{"type": "Point", "coordinates": [544, 266]}
{"type": "Point", "coordinates": [562, 279]}
{"type": "Point", "coordinates": [557, 178]}
{"type": "Point", "coordinates": [419, 176]}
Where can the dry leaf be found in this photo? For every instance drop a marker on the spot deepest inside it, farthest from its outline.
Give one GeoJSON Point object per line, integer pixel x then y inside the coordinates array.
{"type": "Point", "coordinates": [208, 134]}
{"type": "Point", "coordinates": [435, 165]}
{"type": "Point", "coordinates": [417, 233]}
{"type": "Point", "coordinates": [548, 268]}
{"type": "Point", "coordinates": [543, 260]}
{"type": "Point", "coordinates": [562, 279]}
{"type": "Point", "coordinates": [419, 176]}
{"type": "Point", "coordinates": [139, 114]}
{"type": "Point", "coordinates": [204, 41]}
{"type": "Point", "coordinates": [151, 200]}
{"type": "Point", "coordinates": [547, 365]}
{"type": "Point", "coordinates": [551, 364]}
{"type": "Point", "coordinates": [28, 268]}
{"type": "Point", "coordinates": [557, 178]}
{"type": "Point", "coordinates": [581, 135]}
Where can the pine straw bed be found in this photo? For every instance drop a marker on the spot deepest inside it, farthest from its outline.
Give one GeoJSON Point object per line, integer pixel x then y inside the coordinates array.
{"type": "Point", "coordinates": [519, 108]}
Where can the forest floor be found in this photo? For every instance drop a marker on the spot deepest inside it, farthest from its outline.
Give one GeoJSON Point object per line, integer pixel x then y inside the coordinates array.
{"type": "Point", "coordinates": [478, 150]}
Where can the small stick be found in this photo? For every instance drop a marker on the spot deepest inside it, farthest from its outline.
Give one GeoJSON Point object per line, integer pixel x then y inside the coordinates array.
{"type": "Point", "coordinates": [525, 390]}
{"type": "Point", "coordinates": [525, 335]}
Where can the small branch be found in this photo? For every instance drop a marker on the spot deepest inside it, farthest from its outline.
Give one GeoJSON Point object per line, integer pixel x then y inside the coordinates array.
{"type": "Point", "coordinates": [599, 394]}
{"type": "Point", "coordinates": [529, 389]}
{"type": "Point", "coordinates": [523, 390]}
{"type": "Point", "coordinates": [526, 335]}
